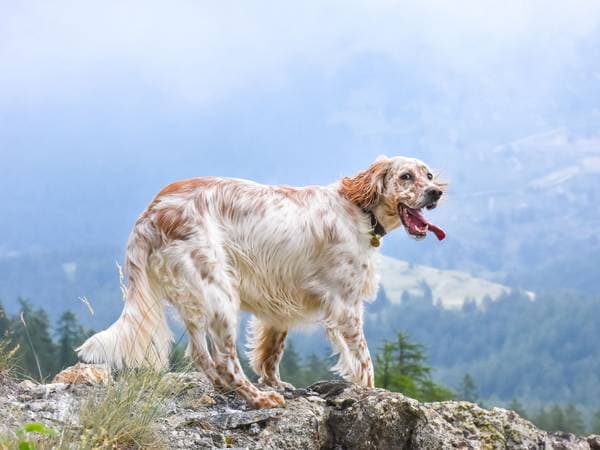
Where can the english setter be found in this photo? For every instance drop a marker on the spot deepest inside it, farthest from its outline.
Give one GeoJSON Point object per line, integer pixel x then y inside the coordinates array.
{"type": "Point", "coordinates": [215, 246]}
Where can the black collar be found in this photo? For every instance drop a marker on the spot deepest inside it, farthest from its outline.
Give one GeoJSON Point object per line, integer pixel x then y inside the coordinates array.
{"type": "Point", "coordinates": [376, 228]}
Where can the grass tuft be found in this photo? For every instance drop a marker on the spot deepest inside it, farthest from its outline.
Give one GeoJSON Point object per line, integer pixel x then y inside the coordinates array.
{"type": "Point", "coordinates": [124, 414]}
{"type": "Point", "coordinates": [121, 415]}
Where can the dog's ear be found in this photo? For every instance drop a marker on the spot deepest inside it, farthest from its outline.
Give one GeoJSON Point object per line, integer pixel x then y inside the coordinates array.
{"type": "Point", "coordinates": [365, 188]}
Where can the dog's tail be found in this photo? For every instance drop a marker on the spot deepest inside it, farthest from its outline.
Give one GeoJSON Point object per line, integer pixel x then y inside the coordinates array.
{"type": "Point", "coordinates": [141, 335]}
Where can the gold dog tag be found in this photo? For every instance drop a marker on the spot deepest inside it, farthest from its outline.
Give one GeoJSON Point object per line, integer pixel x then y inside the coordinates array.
{"type": "Point", "coordinates": [376, 240]}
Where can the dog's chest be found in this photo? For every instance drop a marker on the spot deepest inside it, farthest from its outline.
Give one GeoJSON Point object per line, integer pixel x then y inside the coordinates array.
{"type": "Point", "coordinates": [349, 275]}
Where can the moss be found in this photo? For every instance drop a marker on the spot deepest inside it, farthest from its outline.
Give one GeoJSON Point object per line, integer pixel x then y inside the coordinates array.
{"type": "Point", "coordinates": [490, 436]}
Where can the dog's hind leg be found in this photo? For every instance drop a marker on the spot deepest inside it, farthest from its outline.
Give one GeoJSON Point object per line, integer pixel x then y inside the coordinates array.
{"type": "Point", "coordinates": [200, 354]}
{"type": "Point", "coordinates": [265, 350]}
{"type": "Point", "coordinates": [214, 313]}
{"type": "Point", "coordinates": [190, 303]}
{"type": "Point", "coordinates": [209, 306]}
{"type": "Point", "coordinates": [223, 328]}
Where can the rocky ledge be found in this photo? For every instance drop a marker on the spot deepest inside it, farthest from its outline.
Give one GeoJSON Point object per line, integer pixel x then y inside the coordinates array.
{"type": "Point", "coordinates": [328, 415]}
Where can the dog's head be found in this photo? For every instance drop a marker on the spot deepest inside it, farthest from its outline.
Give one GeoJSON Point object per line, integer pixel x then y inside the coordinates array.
{"type": "Point", "coordinates": [396, 190]}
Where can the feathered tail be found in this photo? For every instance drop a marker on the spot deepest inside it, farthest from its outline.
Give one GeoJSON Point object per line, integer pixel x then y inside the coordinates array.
{"type": "Point", "coordinates": [141, 335]}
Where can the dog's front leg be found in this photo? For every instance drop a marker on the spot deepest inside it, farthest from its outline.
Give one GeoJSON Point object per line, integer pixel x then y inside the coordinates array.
{"type": "Point", "coordinates": [344, 328]}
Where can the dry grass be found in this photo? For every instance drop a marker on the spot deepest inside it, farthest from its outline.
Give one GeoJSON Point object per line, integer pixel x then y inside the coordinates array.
{"type": "Point", "coordinates": [7, 357]}
{"type": "Point", "coordinates": [124, 414]}
{"type": "Point", "coordinates": [121, 415]}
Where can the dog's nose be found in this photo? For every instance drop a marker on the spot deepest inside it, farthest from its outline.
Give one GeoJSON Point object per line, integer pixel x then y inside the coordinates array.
{"type": "Point", "coordinates": [434, 193]}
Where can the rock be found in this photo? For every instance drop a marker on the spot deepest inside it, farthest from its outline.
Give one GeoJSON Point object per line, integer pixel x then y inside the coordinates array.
{"type": "Point", "coordinates": [594, 442]}
{"type": "Point", "coordinates": [44, 390]}
{"type": "Point", "coordinates": [330, 388]}
{"type": "Point", "coordinates": [82, 373]}
{"type": "Point", "coordinates": [241, 418]}
{"type": "Point", "coordinates": [38, 406]}
{"type": "Point", "coordinates": [194, 402]}
{"type": "Point", "coordinates": [26, 385]}
{"type": "Point", "coordinates": [207, 400]}
{"type": "Point", "coordinates": [328, 415]}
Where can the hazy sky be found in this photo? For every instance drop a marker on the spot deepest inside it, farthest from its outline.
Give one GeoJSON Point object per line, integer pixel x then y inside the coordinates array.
{"type": "Point", "coordinates": [203, 53]}
{"type": "Point", "coordinates": [112, 99]}
{"type": "Point", "coordinates": [193, 57]}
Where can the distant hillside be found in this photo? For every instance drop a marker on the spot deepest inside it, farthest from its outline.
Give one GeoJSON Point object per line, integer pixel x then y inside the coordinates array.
{"type": "Point", "coordinates": [523, 214]}
{"type": "Point", "coordinates": [449, 288]}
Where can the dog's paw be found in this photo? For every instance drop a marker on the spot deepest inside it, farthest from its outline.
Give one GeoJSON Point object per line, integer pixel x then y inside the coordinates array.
{"type": "Point", "coordinates": [275, 384]}
{"type": "Point", "coordinates": [268, 399]}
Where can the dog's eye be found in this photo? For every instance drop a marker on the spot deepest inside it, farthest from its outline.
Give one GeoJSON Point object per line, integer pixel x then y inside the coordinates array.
{"type": "Point", "coordinates": [430, 176]}
{"type": "Point", "coordinates": [406, 176]}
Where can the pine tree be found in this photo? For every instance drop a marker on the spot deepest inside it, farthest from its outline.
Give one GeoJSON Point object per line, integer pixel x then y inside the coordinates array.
{"type": "Point", "coordinates": [542, 419]}
{"type": "Point", "coordinates": [469, 306]}
{"type": "Point", "coordinates": [385, 365]}
{"type": "Point", "coordinates": [557, 419]}
{"type": "Point", "coordinates": [596, 422]}
{"type": "Point", "coordinates": [427, 292]}
{"type": "Point", "coordinates": [4, 322]}
{"type": "Point", "coordinates": [432, 392]}
{"type": "Point", "coordinates": [401, 366]}
{"type": "Point", "coordinates": [573, 420]}
{"type": "Point", "coordinates": [70, 336]}
{"type": "Point", "coordinates": [405, 298]}
{"type": "Point", "coordinates": [37, 355]}
{"type": "Point", "coordinates": [381, 302]}
{"type": "Point", "coordinates": [468, 389]}
{"type": "Point", "coordinates": [411, 359]}
{"type": "Point", "coordinates": [316, 369]}
{"type": "Point", "coordinates": [289, 367]}
{"type": "Point", "coordinates": [516, 406]}
{"type": "Point", "coordinates": [7, 349]}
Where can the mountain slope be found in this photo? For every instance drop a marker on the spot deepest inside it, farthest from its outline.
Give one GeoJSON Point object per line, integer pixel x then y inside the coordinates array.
{"type": "Point", "coordinates": [523, 214]}
{"type": "Point", "coordinates": [449, 288]}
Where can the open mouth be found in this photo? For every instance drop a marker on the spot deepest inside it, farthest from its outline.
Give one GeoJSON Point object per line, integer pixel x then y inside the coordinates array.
{"type": "Point", "coordinates": [416, 224]}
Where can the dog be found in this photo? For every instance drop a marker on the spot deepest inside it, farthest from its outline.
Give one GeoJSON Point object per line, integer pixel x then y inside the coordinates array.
{"type": "Point", "coordinates": [288, 255]}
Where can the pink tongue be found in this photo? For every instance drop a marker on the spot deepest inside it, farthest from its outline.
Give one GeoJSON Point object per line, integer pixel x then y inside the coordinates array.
{"type": "Point", "coordinates": [439, 233]}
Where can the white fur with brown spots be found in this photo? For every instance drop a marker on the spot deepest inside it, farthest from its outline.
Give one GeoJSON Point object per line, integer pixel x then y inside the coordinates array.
{"type": "Point", "coordinates": [290, 256]}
